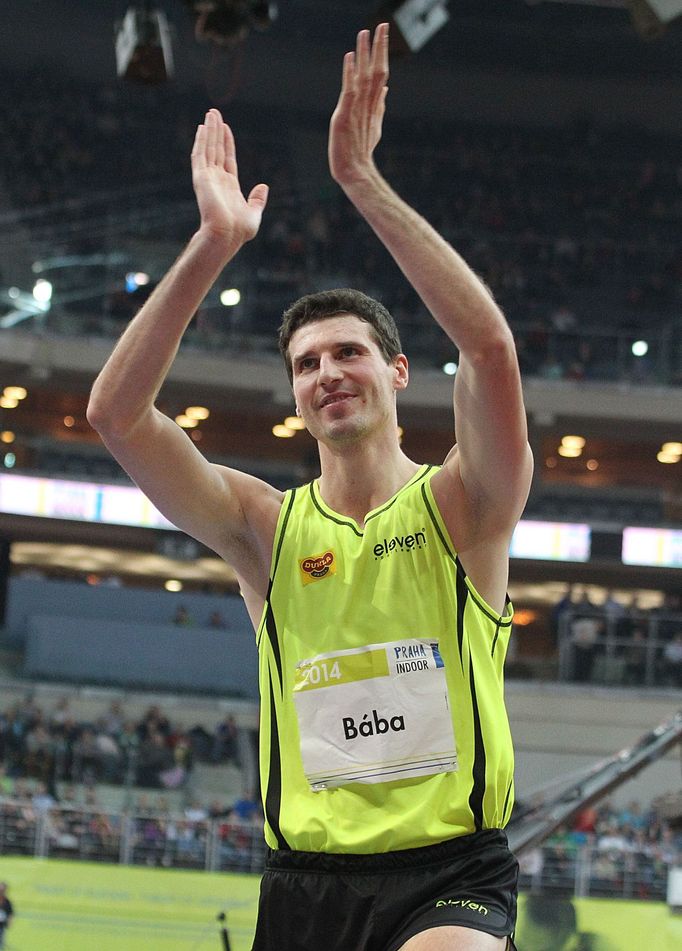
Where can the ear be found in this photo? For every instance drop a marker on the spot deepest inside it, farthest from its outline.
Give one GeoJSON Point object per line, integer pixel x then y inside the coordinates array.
{"type": "Point", "coordinates": [401, 372]}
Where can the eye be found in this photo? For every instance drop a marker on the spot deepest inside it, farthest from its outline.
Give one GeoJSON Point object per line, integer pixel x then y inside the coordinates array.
{"type": "Point", "coordinates": [307, 363]}
{"type": "Point", "coordinates": [348, 351]}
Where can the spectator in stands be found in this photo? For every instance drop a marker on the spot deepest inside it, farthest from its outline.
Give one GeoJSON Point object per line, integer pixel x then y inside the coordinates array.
{"type": "Point", "coordinates": [154, 721]}
{"type": "Point", "coordinates": [216, 620]}
{"type": "Point", "coordinates": [61, 713]}
{"type": "Point", "coordinates": [87, 758]}
{"type": "Point", "coordinates": [110, 753]}
{"type": "Point", "coordinates": [39, 752]}
{"type": "Point", "coordinates": [182, 617]}
{"type": "Point", "coordinates": [42, 800]}
{"type": "Point", "coordinates": [585, 630]}
{"type": "Point", "coordinates": [634, 653]}
{"type": "Point", "coordinates": [672, 662]}
{"type": "Point", "coordinates": [195, 811]}
{"type": "Point", "coordinates": [225, 741]}
{"type": "Point", "coordinates": [565, 605]}
{"type": "Point", "coordinates": [154, 758]}
{"type": "Point", "coordinates": [114, 719]}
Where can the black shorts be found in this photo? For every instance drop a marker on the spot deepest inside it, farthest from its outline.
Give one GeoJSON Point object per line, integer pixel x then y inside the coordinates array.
{"type": "Point", "coordinates": [315, 901]}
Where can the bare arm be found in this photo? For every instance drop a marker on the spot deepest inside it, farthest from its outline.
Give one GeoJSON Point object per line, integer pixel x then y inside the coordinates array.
{"type": "Point", "coordinates": [491, 466]}
{"type": "Point", "coordinates": [214, 504]}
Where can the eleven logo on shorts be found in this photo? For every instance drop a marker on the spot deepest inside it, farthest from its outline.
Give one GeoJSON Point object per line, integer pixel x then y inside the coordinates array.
{"type": "Point", "coordinates": [317, 567]}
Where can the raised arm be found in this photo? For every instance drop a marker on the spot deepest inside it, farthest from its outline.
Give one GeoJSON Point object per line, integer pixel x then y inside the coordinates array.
{"type": "Point", "coordinates": [490, 467]}
{"type": "Point", "coordinates": [216, 505]}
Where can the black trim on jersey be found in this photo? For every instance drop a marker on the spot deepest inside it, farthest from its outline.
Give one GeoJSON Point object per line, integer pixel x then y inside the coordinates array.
{"type": "Point", "coordinates": [432, 516]}
{"type": "Point", "coordinates": [462, 595]}
{"type": "Point", "coordinates": [339, 521]}
{"type": "Point", "coordinates": [478, 771]}
{"type": "Point", "coordinates": [271, 628]}
{"type": "Point", "coordinates": [275, 562]}
{"type": "Point", "coordinates": [281, 535]}
{"type": "Point", "coordinates": [415, 480]}
{"type": "Point", "coordinates": [270, 624]}
{"type": "Point", "coordinates": [497, 634]}
{"type": "Point", "coordinates": [273, 796]}
{"type": "Point", "coordinates": [506, 800]}
{"type": "Point", "coordinates": [460, 570]}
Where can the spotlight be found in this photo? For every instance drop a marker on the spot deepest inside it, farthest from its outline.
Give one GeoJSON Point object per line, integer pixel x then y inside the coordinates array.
{"type": "Point", "coordinates": [143, 46]}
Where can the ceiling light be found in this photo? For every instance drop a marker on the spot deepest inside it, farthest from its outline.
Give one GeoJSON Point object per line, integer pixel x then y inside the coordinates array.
{"type": "Point", "coordinates": [294, 422]}
{"type": "Point", "coordinates": [197, 412]}
{"type": "Point", "coordinates": [230, 297]}
{"type": "Point", "coordinates": [42, 291]}
{"type": "Point", "coordinates": [14, 293]}
{"type": "Point", "coordinates": [186, 421]}
{"type": "Point", "coordinates": [69, 421]}
{"type": "Point", "coordinates": [551, 462]}
{"type": "Point", "coordinates": [672, 448]}
{"type": "Point", "coordinates": [592, 464]}
{"type": "Point", "coordinates": [450, 368]}
{"type": "Point", "coordinates": [569, 452]}
{"type": "Point", "coordinates": [8, 402]}
{"type": "Point", "coordinates": [282, 431]}
{"type": "Point", "coordinates": [15, 392]}
{"type": "Point", "coordinates": [173, 585]}
{"type": "Point", "coordinates": [668, 457]}
{"type": "Point", "coordinates": [7, 436]}
{"type": "Point", "coordinates": [573, 442]}
{"type": "Point", "coordinates": [9, 460]}
{"type": "Point", "coordinates": [640, 348]}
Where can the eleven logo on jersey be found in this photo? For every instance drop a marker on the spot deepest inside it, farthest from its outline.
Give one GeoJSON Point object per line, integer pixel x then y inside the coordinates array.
{"type": "Point", "coordinates": [317, 567]}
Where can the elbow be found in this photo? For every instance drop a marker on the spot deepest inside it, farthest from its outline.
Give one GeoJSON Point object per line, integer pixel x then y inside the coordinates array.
{"type": "Point", "coordinates": [97, 414]}
{"type": "Point", "coordinates": [104, 417]}
{"type": "Point", "coordinates": [495, 350]}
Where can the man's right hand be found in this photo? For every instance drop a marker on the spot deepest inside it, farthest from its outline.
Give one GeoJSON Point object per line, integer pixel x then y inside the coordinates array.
{"type": "Point", "coordinates": [224, 211]}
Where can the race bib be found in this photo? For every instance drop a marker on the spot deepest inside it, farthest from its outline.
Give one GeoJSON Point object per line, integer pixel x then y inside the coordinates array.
{"type": "Point", "coordinates": [374, 714]}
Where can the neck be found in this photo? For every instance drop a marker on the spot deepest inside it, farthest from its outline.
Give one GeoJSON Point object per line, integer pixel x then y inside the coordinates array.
{"type": "Point", "coordinates": [358, 478]}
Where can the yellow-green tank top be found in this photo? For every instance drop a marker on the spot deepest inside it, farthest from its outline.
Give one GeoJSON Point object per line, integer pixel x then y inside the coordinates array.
{"type": "Point", "coordinates": [335, 587]}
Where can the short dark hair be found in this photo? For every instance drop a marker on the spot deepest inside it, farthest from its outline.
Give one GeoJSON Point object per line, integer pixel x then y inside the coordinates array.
{"type": "Point", "coordinates": [341, 300]}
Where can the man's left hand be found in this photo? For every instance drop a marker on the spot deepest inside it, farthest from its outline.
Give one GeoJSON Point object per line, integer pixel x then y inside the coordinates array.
{"type": "Point", "coordinates": [355, 127]}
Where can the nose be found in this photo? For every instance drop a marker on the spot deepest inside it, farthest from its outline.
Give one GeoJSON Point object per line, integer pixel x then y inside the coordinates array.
{"type": "Point", "coordinates": [330, 371]}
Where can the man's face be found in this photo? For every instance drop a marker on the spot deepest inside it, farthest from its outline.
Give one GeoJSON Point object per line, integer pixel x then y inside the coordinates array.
{"type": "Point", "coordinates": [344, 388]}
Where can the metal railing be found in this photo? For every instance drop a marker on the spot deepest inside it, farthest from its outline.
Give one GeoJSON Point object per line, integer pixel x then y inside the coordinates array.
{"type": "Point", "coordinates": [629, 650]}
{"type": "Point", "coordinates": [128, 838]}
{"type": "Point", "coordinates": [638, 871]}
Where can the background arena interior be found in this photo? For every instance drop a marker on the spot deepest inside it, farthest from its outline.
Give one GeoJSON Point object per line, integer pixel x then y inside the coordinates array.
{"type": "Point", "coordinates": [543, 138]}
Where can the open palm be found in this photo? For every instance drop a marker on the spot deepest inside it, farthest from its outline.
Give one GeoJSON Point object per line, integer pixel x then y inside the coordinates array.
{"type": "Point", "coordinates": [224, 209]}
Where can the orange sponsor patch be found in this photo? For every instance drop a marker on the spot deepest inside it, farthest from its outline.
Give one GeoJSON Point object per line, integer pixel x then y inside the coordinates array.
{"type": "Point", "coordinates": [316, 567]}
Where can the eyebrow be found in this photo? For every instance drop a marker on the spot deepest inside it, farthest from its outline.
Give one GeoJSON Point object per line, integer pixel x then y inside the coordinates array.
{"type": "Point", "coordinates": [336, 346]}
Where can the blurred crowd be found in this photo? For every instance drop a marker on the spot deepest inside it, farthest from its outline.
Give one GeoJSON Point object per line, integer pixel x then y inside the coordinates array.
{"type": "Point", "coordinates": [630, 851]}
{"type": "Point", "coordinates": [150, 752]}
{"type": "Point", "coordinates": [615, 640]}
{"type": "Point", "coordinates": [575, 229]}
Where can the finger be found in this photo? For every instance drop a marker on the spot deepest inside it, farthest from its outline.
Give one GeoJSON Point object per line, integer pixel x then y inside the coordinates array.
{"type": "Point", "coordinates": [220, 143]}
{"type": "Point", "coordinates": [348, 72]}
{"type": "Point", "coordinates": [379, 64]}
{"type": "Point", "coordinates": [211, 136]}
{"type": "Point", "coordinates": [199, 148]}
{"type": "Point", "coordinates": [258, 197]}
{"type": "Point", "coordinates": [229, 151]}
{"type": "Point", "coordinates": [362, 54]}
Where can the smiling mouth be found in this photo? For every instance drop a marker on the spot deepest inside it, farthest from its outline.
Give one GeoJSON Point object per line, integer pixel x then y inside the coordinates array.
{"type": "Point", "coordinates": [335, 398]}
